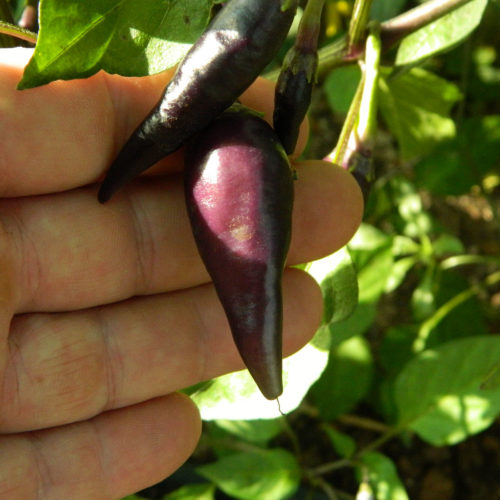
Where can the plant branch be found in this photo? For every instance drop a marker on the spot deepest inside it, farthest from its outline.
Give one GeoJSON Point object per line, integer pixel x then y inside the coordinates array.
{"type": "Point", "coordinates": [363, 423]}
{"type": "Point", "coordinates": [16, 31]}
{"type": "Point", "coordinates": [357, 27]}
{"type": "Point", "coordinates": [431, 323]}
{"type": "Point", "coordinates": [308, 33]}
{"type": "Point", "coordinates": [393, 30]}
{"type": "Point", "coordinates": [379, 441]}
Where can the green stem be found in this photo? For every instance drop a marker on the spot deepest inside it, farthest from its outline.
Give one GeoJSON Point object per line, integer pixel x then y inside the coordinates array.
{"type": "Point", "coordinates": [367, 122]}
{"type": "Point", "coordinates": [431, 323]}
{"type": "Point", "coordinates": [310, 24]}
{"type": "Point", "coordinates": [337, 155]}
{"type": "Point", "coordinates": [393, 30]}
{"type": "Point", "coordinates": [379, 441]}
{"type": "Point", "coordinates": [361, 121]}
{"type": "Point", "coordinates": [357, 27]}
{"type": "Point", "coordinates": [330, 466]}
{"type": "Point", "coordinates": [464, 260]}
{"type": "Point", "coordinates": [17, 32]}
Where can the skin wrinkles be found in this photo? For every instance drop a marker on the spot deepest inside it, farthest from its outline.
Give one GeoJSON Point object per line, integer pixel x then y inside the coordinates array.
{"type": "Point", "coordinates": [90, 346]}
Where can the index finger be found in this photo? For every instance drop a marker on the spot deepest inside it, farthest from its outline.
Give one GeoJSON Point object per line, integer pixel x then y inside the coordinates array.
{"type": "Point", "coordinates": [65, 134]}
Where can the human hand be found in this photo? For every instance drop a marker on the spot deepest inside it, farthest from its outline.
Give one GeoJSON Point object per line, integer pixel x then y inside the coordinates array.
{"type": "Point", "coordinates": [107, 310]}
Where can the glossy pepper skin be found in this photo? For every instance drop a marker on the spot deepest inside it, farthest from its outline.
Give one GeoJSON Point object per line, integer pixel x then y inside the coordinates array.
{"type": "Point", "coordinates": [234, 49]}
{"type": "Point", "coordinates": [239, 195]}
{"type": "Point", "coordinates": [293, 94]}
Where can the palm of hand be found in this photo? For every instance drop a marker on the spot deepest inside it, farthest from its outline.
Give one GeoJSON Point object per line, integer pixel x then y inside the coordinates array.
{"type": "Point", "coordinates": [106, 311]}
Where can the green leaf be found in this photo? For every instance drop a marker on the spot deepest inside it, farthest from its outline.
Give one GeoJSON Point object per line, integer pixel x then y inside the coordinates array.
{"type": "Point", "coordinates": [399, 270]}
{"type": "Point", "coordinates": [236, 397]}
{"type": "Point", "coordinates": [395, 350]}
{"type": "Point", "coordinates": [443, 34]}
{"type": "Point", "coordinates": [340, 87]}
{"type": "Point", "coordinates": [356, 324]}
{"type": "Point", "coordinates": [129, 37]}
{"type": "Point", "coordinates": [253, 431]}
{"type": "Point", "coordinates": [438, 394]}
{"type": "Point", "coordinates": [446, 244]}
{"type": "Point", "coordinates": [371, 252]}
{"type": "Point", "coordinates": [423, 299]}
{"type": "Point", "coordinates": [492, 379]}
{"type": "Point", "coordinates": [418, 123]}
{"type": "Point", "coordinates": [259, 475]}
{"type": "Point", "coordinates": [342, 443]}
{"type": "Point", "coordinates": [464, 161]}
{"type": "Point", "coordinates": [408, 203]}
{"type": "Point", "coordinates": [338, 280]}
{"type": "Point", "coordinates": [403, 245]}
{"type": "Point", "coordinates": [346, 379]}
{"type": "Point", "coordinates": [204, 491]}
{"type": "Point", "coordinates": [381, 10]}
{"type": "Point", "coordinates": [372, 277]}
{"type": "Point", "coordinates": [383, 477]}
{"type": "Point", "coordinates": [459, 312]}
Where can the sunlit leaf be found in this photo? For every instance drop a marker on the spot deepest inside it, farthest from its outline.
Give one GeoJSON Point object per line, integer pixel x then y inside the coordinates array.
{"type": "Point", "coordinates": [443, 34]}
{"type": "Point", "coordinates": [383, 477]}
{"type": "Point", "coordinates": [418, 124]}
{"type": "Point", "coordinates": [254, 431]}
{"type": "Point", "coordinates": [345, 380]}
{"type": "Point", "coordinates": [439, 393]}
{"type": "Point", "coordinates": [338, 280]}
{"type": "Point", "coordinates": [236, 397]}
{"type": "Point", "coordinates": [129, 37]}
{"type": "Point", "coordinates": [260, 475]}
{"type": "Point", "coordinates": [203, 491]}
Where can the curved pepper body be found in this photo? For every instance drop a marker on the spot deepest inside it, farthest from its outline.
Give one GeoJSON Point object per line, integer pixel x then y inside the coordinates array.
{"type": "Point", "coordinates": [239, 194]}
{"type": "Point", "coordinates": [234, 49]}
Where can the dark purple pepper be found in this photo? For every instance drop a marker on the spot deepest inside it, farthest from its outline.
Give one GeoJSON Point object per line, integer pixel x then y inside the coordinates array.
{"type": "Point", "coordinates": [239, 195]}
{"type": "Point", "coordinates": [241, 40]}
{"type": "Point", "coordinates": [297, 77]}
{"type": "Point", "coordinates": [293, 95]}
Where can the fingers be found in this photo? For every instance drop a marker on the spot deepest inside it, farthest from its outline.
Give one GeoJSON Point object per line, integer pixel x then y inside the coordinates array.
{"type": "Point", "coordinates": [65, 134]}
{"type": "Point", "coordinates": [83, 363]}
{"type": "Point", "coordinates": [72, 252]}
{"type": "Point", "coordinates": [108, 457]}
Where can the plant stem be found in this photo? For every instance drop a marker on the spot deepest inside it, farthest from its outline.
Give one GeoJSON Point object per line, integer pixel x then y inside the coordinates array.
{"type": "Point", "coordinates": [363, 423]}
{"type": "Point", "coordinates": [330, 466]}
{"type": "Point", "coordinates": [431, 323]}
{"type": "Point", "coordinates": [308, 32]}
{"type": "Point", "coordinates": [357, 27]}
{"type": "Point", "coordinates": [16, 31]}
{"type": "Point", "coordinates": [379, 441]}
{"type": "Point", "coordinates": [463, 260]}
{"type": "Point", "coordinates": [337, 155]}
{"type": "Point", "coordinates": [367, 122]}
{"type": "Point", "coordinates": [393, 30]}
